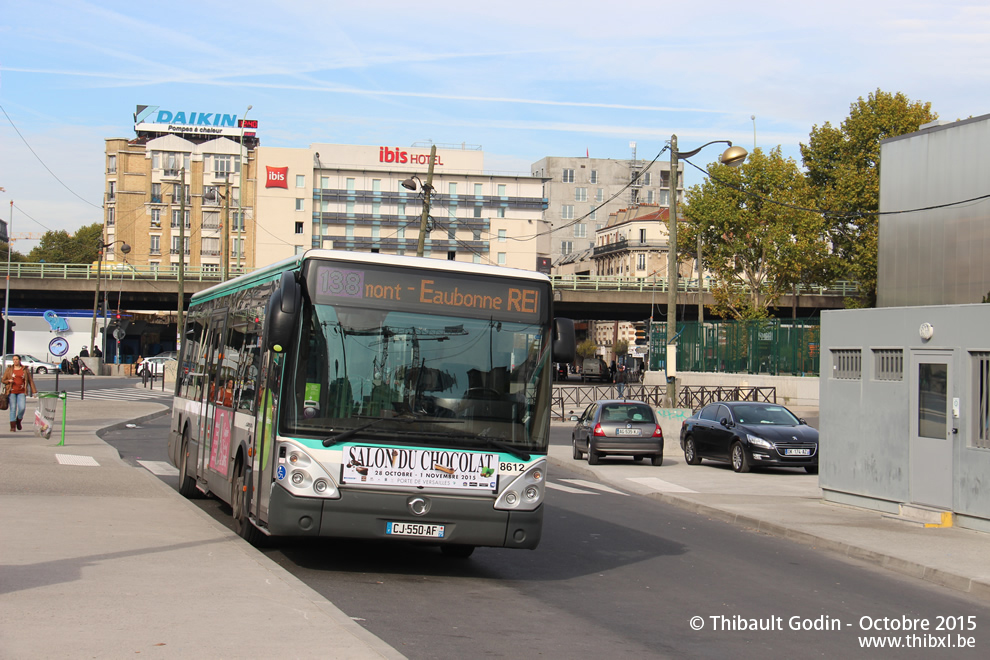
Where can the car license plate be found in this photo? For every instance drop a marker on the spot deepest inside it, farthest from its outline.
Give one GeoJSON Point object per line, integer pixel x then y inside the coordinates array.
{"type": "Point", "coordinates": [797, 452]}
{"type": "Point", "coordinates": [628, 432]}
{"type": "Point", "coordinates": [414, 529]}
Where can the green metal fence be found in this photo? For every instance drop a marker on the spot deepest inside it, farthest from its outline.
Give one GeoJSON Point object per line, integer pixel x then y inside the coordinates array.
{"type": "Point", "coordinates": [772, 346]}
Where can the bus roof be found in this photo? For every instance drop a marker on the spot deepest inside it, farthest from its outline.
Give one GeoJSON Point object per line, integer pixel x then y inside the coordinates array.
{"type": "Point", "coordinates": [272, 271]}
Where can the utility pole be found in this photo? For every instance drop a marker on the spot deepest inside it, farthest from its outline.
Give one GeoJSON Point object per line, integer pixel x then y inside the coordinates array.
{"type": "Point", "coordinates": [672, 274]}
{"type": "Point", "coordinates": [182, 255]}
{"type": "Point", "coordinates": [427, 191]}
{"type": "Point", "coordinates": [225, 275]}
{"type": "Point", "coordinates": [96, 298]}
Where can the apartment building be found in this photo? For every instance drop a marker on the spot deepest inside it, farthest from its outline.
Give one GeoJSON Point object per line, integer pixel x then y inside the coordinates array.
{"type": "Point", "coordinates": [582, 192]}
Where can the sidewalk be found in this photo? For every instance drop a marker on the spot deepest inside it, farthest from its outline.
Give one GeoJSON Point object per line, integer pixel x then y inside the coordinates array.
{"type": "Point", "coordinates": [107, 561]}
{"type": "Point", "coordinates": [788, 503]}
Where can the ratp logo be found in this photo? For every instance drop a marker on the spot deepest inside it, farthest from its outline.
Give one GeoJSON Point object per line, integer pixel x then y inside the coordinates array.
{"type": "Point", "coordinates": [278, 177]}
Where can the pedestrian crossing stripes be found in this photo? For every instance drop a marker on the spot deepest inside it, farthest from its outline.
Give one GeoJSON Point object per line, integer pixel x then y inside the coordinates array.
{"type": "Point", "coordinates": [660, 485]}
{"type": "Point", "coordinates": [595, 486]}
{"type": "Point", "coordinates": [583, 487]}
{"type": "Point", "coordinates": [122, 394]}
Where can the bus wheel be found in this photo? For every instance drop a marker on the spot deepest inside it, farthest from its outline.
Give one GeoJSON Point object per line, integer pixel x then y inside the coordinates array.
{"type": "Point", "coordinates": [458, 551]}
{"type": "Point", "coordinates": [238, 504]}
{"type": "Point", "coordinates": [187, 484]}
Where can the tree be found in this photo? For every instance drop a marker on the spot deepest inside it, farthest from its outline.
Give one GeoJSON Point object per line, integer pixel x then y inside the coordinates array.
{"type": "Point", "coordinates": [15, 256]}
{"type": "Point", "coordinates": [586, 349]}
{"type": "Point", "coordinates": [756, 240]}
{"type": "Point", "coordinates": [843, 168]}
{"type": "Point", "coordinates": [58, 247]}
{"type": "Point", "coordinates": [620, 348]}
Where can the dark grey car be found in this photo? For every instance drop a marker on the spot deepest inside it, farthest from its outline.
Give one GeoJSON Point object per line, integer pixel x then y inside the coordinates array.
{"type": "Point", "coordinates": [613, 427]}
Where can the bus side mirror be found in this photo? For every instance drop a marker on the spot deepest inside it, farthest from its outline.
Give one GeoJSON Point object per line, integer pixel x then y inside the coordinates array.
{"type": "Point", "coordinates": [283, 309]}
{"type": "Point", "coordinates": [564, 344]}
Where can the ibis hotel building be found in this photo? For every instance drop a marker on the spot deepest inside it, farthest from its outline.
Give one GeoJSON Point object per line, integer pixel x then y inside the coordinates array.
{"type": "Point", "coordinates": [352, 197]}
{"type": "Point", "coordinates": [198, 186]}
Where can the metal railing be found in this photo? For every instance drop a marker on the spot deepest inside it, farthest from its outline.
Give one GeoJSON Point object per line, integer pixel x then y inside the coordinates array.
{"type": "Point", "coordinates": [648, 284]}
{"type": "Point", "coordinates": [571, 400]}
{"type": "Point", "coordinates": [112, 271]}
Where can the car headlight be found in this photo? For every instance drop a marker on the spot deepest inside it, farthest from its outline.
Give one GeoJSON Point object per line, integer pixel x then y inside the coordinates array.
{"type": "Point", "coordinates": [758, 441]}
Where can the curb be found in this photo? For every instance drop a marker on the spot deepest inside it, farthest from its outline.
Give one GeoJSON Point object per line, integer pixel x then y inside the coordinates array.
{"type": "Point", "coordinates": [974, 587]}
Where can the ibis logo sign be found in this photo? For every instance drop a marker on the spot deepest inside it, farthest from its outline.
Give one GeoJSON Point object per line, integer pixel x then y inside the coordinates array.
{"type": "Point", "coordinates": [277, 177]}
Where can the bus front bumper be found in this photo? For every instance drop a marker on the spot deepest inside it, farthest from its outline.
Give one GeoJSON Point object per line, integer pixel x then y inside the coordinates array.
{"type": "Point", "coordinates": [363, 514]}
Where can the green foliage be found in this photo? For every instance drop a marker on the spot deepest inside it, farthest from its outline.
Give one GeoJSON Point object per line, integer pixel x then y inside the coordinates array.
{"type": "Point", "coordinates": [621, 347]}
{"type": "Point", "coordinates": [586, 349]}
{"type": "Point", "coordinates": [58, 247]}
{"type": "Point", "coordinates": [755, 244]}
{"type": "Point", "coordinates": [15, 256]}
{"type": "Point", "coordinates": [843, 169]}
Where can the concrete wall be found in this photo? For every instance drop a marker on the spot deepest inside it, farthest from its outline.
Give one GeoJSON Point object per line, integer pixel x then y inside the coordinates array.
{"type": "Point", "coordinates": [791, 390]}
{"type": "Point", "coordinates": [866, 423]}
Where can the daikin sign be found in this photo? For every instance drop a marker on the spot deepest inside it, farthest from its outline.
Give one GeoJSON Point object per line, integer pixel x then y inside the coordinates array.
{"type": "Point", "coordinates": [155, 119]}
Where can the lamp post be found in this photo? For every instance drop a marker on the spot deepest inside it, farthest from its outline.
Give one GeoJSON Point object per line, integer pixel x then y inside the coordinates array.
{"type": "Point", "coordinates": [733, 157]}
{"type": "Point", "coordinates": [241, 181]}
{"type": "Point", "coordinates": [182, 254]}
{"type": "Point", "coordinates": [225, 196]}
{"type": "Point", "coordinates": [410, 184]}
{"type": "Point", "coordinates": [125, 248]}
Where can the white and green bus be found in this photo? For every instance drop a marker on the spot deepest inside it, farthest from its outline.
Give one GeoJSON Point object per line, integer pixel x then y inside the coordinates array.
{"type": "Point", "coordinates": [343, 394]}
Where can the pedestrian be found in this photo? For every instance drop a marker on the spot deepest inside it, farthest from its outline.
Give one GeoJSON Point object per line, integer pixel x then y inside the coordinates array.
{"type": "Point", "coordinates": [620, 381]}
{"type": "Point", "coordinates": [75, 365]}
{"type": "Point", "coordinates": [18, 384]}
{"type": "Point", "coordinates": [97, 353]}
{"type": "Point", "coordinates": [84, 352]}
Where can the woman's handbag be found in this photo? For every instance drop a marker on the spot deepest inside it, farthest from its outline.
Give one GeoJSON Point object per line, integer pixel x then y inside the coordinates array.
{"type": "Point", "coordinates": [4, 401]}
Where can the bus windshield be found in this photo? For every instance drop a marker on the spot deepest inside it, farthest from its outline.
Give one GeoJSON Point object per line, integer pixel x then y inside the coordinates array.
{"type": "Point", "coordinates": [406, 377]}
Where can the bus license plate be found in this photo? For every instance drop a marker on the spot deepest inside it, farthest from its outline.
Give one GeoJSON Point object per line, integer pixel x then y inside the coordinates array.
{"type": "Point", "coordinates": [798, 452]}
{"type": "Point", "coordinates": [414, 529]}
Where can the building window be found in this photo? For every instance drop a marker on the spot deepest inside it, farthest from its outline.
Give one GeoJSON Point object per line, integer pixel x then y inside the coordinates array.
{"type": "Point", "coordinates": [847, 364]}
{"type": "Point", "coordinates": [452, 233]}
{"type": "Point", "coordinates": [566, 247]}
{"type": "Point", "coordinates": [156, 218]}
{"type": "Point", "coordinates": [324, 206]}
{"type": "Point", "coordinates": [376, 209]}
{"type": "Point", "coordinates": [111, 164]}
{"type": "Point", "coordinates": [888, 363]}
{"type": "Point", "coordinates": [376, 185]}
{"type": "Point", "coordinates": [663, 197]}
{"type": "Point", "coordinates": [324, 182]}
{"type": "Point", "coordinates": [594, 176]}
{"type": "Point", "coordinates": [175, 219]}
{"type": "Point", "coordinates": [452, 188]}
{"type": "Point", "coordinates": [476, 258]}
{"type": "Point", "coordinates": [641, 261]}
{"type": "Point", "coordinates": [452, 210]}
{"type": "Point", "coordinates": [299, 227]}
{"type": "Point", "coordinates": [236, 245]}
{"type": "Point", "coordinates": [650, 197]}
{"type": "Point", "coordinates": [376, 233]}
{"type": "Point", "coordinates": [593, 214]}
{"type": "Point", "coordinates": [155, 245]}
{"type": "Point", "coordinates": [580, 194]}
{"type": "Point", "coordinates": [111, 216]}
{"type": "Point", "coordinates": [501, 190]}
{"type": "Point", "coordinates": [111, 190]}
{"type": "Point", "coordinates": [211, 196]}
{"type": "Point", "coordinates": [501, 258]}
{"type": "Point", "coordinates": [300, 181]}
{"type": "Point", "coordinates": [477, 211]}
{"type": "Point", "coordinates": [222, 165]}
{"type": "Point", "coordinates": [401, 233]}
{"type": "Point", "coordinates": [402, 210]}
{"type": "Point", "coordinates": [300, 204]}
{"type": "Point", "coordinates": [350, 184]}
{"type": "Point", "coordinates": [210, 247]}
{"type": "Point", "coordinates": [981, 388]}
{"type": "Point", "coordinates": [581, 230]}
{"type": "Point", "coordinates": [451, 255]}
{"type": "Point", "coordinates": [500, 212]}
{"type": "Point", "coordinates": [156, 193]}
{"type": "Point", "coordinates": [642, 235]}
{"type": "Point", "coordinates": [502, 236]}
{"type": "Point", "coordinates": [567, 176]}
{"type": "Point", "coordinates": [349, 209]}
{"type": "Point", "coordinates": [175, 245]}
{"type": "Point", "coordinates": [600, 195]}
{"type": "Point", "coordinates": [476, 234]}
{"type": "Point", "coordinates": [647, 178]}
{"type": "Point", "coordinates": [477, 189]}
{"type": "Point", "coordinates": [567, 211]}
{"type": "Point", "coordinates": [348, 232]}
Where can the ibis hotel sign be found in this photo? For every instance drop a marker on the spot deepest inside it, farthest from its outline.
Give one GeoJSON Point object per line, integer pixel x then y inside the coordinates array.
{"type": "Point", "coordinates": [156, 119]}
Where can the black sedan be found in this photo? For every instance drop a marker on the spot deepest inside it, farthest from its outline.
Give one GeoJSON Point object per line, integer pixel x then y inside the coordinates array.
{"type": "Point", "coordinates": [618, 427]}
{"type": "Point", "coordinates": [749, 434]}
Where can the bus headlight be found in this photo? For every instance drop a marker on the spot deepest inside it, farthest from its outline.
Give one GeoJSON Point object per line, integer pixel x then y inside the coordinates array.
{"type": "Point", "coordinates": [525, 492]}
{"type": "Point", "coordinates": [302, 475]}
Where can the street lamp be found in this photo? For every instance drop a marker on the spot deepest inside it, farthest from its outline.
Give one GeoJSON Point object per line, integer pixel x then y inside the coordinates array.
{"type": "Point", "coordinates": [241, 181]}
{"type": "Point", "coordinates": [733, 157]}
{"type": "Point", "coordinates": [125, 248]}
{"type": "Point", "coordinates": [410, 184]}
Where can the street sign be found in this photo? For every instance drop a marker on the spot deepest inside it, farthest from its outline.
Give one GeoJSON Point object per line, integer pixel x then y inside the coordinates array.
{"type": "Point", "coordinates": [58, 346]}
{"type": "Point", "coordinates": [119, 334]}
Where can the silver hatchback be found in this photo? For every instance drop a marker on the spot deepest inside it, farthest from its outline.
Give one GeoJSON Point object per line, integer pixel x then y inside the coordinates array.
{"type": "Point", "coordinates": [612, 427]}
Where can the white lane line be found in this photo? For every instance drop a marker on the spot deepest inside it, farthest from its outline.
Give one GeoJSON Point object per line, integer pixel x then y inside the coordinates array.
{"type": "Point", "coordinates": [660, 485]}
{"type": "Point", "coordinates": [594, 486]}
{"type": "Point", "coordinates": [568, 489]}
{"type": "Point", "coordinates": [69, 459]}
{"type": "Point", "coordinates": [159, 468]}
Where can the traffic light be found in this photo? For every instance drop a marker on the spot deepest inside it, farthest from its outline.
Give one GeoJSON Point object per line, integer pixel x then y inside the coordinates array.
{"type": "Point", "coordinates": [642, 333]}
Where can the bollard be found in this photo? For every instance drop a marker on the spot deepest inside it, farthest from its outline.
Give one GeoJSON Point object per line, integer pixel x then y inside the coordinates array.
{"type": "Point", "coordinates": [82, 384]}
{"type": "Point", "coordinates": [56, 380]}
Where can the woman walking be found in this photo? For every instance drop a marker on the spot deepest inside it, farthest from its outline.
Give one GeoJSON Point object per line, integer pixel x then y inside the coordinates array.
{"type": "Point", "coordinates": [18, 383]}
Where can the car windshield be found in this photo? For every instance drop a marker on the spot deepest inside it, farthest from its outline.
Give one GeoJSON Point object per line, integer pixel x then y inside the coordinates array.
{"type": "Point", "coordinates": [627, 412]}
{"type": "Point", "coordinates": [765, 415]}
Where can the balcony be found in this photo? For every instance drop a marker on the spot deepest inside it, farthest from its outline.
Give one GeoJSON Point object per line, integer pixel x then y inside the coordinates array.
{"type": "Point", "coordinates": [156, 224]}
{"type": "Point", "coordinates": [626, 244]}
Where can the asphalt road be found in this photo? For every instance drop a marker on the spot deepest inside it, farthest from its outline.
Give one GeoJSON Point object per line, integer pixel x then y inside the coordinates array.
{"type": "Point", "coordinates": [617, 575]}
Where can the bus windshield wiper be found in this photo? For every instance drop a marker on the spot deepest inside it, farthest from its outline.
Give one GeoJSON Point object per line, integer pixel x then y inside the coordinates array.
{"type": "Point", "coordinates": [495, 443]}
{"type": "Point", "coordinates": [349, 433]}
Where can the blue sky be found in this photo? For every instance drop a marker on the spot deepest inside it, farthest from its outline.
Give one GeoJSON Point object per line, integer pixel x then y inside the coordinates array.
{"type": "Point", "coordinates": [522, 79]}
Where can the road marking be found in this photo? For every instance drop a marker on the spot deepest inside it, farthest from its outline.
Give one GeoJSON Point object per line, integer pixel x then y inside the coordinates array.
{"type": "Point", "coordinates": [568, 489]}
{"type": "Point", "coordinates": [660, 485]}
{"type": "Point", "coordinates": [594, 486]}
{"type": "Point", "coordinates": [159, 468]}
{"type": "Point", "coordinates": [69, 459]}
